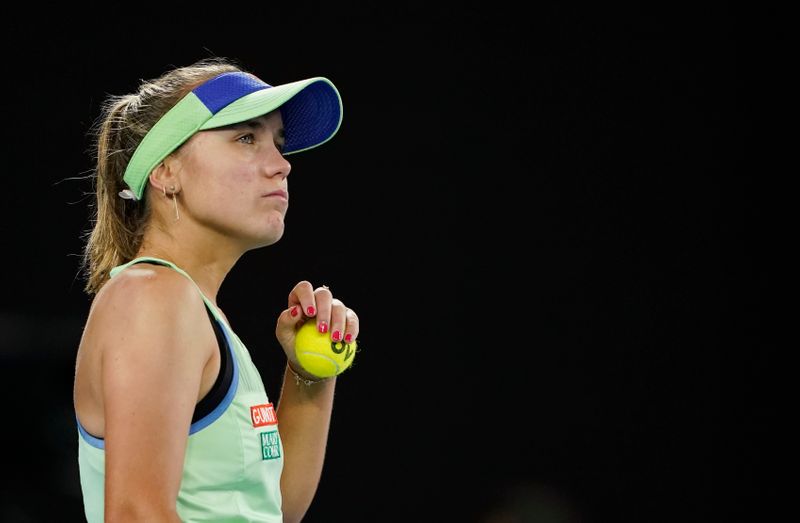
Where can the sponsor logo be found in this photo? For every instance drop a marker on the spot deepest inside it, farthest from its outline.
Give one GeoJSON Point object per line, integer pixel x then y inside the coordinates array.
{"type": "Point", "coordinates": [270, 445]}
{"type": "Point", "coordinates": [262, 415]}
{"type": "Point", "coordinates": [339, 347]}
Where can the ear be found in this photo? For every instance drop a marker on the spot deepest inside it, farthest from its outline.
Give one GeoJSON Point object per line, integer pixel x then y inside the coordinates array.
{"type": "Point", "coordinates": [164, 178]}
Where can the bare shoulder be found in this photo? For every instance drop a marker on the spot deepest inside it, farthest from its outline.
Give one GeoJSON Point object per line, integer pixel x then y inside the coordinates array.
{"type": "Point", "coordinates": [145, 298]}
{"type": "Point", "coordinates": [145, 326]}
{"type": "Point", "coordinates": [145, 278]}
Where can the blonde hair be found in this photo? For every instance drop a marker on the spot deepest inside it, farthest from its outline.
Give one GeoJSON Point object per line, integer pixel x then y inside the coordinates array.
{"type": "Point", "coordinates": [119, 224]}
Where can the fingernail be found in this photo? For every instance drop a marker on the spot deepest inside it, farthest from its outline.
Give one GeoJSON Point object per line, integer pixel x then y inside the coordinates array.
{"type": "Point", "coordinates": [310, 311]}
{"type": "Point", "coordinates": [293, 312]}
{"type": "Point", "coordinates": [323, 327]}
{"type": "Point", "coordinates": [348, 338]}
{"type": "Point", "coordinates": [336, 336]}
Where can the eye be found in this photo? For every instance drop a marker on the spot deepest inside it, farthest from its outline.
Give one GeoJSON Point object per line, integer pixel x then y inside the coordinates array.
{"type": "Point", "coordinates": [247, 138]}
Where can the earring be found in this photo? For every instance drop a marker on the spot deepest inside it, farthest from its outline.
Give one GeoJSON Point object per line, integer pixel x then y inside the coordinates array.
{"type": "Point", "coordinates": [175, 201]}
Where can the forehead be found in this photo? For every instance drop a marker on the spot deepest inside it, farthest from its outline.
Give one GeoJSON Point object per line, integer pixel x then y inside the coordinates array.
{"type": "Point", "coordinates": [269, 120]}
{"type": "Point", "coordinates": [271, 123]}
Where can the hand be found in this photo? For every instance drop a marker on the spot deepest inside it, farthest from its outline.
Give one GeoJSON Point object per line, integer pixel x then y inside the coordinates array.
{"type": "Point", "coordinates": [318, 305]}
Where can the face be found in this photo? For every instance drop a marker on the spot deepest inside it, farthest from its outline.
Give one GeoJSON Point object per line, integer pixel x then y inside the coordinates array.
{"type": "Point", "coordinates": [234, 180]}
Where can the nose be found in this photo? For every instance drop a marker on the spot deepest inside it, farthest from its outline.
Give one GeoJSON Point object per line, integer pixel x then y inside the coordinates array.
{"type": "Point", "coordinates": [275, 164]}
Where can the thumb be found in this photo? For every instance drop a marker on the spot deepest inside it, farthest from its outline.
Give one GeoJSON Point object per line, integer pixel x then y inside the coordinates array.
{"type": "Point", "coordinates": [288, 322]}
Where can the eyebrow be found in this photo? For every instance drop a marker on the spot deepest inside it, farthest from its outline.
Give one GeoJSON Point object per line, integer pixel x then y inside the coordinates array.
{"type": "Point", "coordinates": [255, 124]}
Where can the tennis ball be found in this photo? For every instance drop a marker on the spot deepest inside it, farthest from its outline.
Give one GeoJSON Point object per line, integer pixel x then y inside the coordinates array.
{"type": "Point", "coordinates": [319, 354]}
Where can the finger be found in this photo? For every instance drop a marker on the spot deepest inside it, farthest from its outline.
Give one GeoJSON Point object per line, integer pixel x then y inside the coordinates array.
{"type": "Point", "coordinates": [291, 317]}
{"type": "Point", "coordinates": [338, 320]}
{"type": "Point", "coordinates": [302, 296]}
{"type": "Point", "coordinates": [352, 327]}
{"type": "Point", "coordinates": [323, 299]}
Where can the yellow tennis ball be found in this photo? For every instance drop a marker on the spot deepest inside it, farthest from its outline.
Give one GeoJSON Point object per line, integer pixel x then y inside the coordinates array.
{"type": "Point", "coordinates": [319, 354]}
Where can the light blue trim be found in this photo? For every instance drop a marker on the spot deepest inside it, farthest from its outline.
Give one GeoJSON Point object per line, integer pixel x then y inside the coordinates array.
{"type": "Point", "coordinates": [91, 440]}
{"type": "Point", "coordinates": [220, 409]}
{"type": "Point", "coordinates": [203, 422]}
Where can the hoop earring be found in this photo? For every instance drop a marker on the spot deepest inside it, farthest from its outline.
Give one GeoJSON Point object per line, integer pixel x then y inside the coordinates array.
{"type": "Point", "coordinates": [175, 201]}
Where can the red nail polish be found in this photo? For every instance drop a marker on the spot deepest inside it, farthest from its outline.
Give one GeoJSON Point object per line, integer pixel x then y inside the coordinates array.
{"type": "Point", "coordinates": [322, 327]}
{"type": "Point", "coordinates": [336, 336]}
{"type": "Point", "coordinates": [293, 312]}
{"type": "Point", "coordinates": [310, 311]}
{"type": "Point", "coordinates": [348, 338]}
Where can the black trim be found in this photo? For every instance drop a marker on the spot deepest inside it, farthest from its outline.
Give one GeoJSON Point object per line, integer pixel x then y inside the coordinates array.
{"type": "Point", "coordinates": [224, 379]}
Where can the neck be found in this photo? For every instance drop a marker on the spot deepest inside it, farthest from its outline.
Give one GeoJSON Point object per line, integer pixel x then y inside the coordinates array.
{"type": "Point", "coordinates": [206, 258]}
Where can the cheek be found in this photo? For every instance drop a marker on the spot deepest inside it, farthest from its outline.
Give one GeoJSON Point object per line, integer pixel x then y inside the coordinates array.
{"type": "Point", "coordinates": [232, 185]}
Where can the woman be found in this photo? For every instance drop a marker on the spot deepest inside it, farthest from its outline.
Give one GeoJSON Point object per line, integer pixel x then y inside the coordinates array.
{"type": "Point", "coordinates": [174, 422]}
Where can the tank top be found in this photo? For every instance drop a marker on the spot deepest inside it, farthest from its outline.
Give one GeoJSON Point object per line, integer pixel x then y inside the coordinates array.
{"type": "Point", "coordinates": [234, 455]}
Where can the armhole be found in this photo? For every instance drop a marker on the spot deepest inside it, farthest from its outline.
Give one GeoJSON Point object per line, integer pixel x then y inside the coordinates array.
{"type": "Point", "coordinates": [219, 390]}
{"type": "Point", "coordinates": [213, 404]}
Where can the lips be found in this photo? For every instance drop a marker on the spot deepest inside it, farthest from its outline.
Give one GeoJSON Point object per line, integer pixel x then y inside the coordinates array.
{"type": "Point", "coordinates": [277, 194]}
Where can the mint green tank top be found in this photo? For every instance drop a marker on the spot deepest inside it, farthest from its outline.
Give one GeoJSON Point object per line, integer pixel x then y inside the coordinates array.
{"type": "Point", "coordinates": [234, 455]}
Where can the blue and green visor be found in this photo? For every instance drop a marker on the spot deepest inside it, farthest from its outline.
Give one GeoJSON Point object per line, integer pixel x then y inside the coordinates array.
{"type": "Point", "coordinates": [311, 110]}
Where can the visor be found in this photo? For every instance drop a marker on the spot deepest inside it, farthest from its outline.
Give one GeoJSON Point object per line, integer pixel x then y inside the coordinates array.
{"type": "Point", "coordinates": [311, 110]}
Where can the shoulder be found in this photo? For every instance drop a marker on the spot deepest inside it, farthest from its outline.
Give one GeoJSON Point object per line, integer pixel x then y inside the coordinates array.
{"type": "Point", "coordinates": [146, 276]}
{"type": "Point", "coordinates": [147, 297]}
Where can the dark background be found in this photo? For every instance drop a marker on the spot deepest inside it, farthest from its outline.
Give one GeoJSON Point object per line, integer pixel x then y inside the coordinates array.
{"type": "Point", "coordinates": [524, 208]}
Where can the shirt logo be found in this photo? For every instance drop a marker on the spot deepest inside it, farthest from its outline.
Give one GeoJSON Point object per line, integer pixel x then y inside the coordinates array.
{"type": "Point", "coordinates": [270, 445]}
{"type": "Point", "coordinates": [262, 415]}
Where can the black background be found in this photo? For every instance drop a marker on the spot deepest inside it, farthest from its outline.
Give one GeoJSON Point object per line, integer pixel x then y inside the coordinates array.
{"type": "Point", "coordinates": [524, 208]}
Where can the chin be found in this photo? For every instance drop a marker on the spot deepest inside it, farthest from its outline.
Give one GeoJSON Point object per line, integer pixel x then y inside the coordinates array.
{"type": "Point", "coordinates": [268, 239]}
{"type": "Point", "coordinates": [264, 233]}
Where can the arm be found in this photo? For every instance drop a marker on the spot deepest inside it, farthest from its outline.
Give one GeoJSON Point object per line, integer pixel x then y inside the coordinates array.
{"type": "Point", "coordinates": [304, 411]}
{"type": "Point", "coordinates": [153, 359]}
